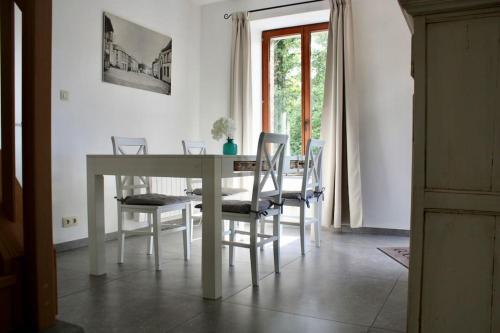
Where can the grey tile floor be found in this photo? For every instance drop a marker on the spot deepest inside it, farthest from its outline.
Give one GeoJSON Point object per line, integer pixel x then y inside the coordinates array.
{"type": "Point", "coordinates": [345, 286]}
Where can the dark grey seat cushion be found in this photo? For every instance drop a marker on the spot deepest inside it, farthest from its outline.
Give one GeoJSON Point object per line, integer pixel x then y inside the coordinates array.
{"type": "Point", "coordinates": [297, 195]}
{"type": "Point", "coordinates": [154, 199]}
{"type": "Point", "coordinates": [226, 191]}
{"type": "Point", "coordinates": [241, 207]}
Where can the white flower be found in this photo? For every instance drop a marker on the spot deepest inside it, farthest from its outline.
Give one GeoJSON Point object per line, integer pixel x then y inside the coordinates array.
{"type": "Point", "coordinates": [223, 127]}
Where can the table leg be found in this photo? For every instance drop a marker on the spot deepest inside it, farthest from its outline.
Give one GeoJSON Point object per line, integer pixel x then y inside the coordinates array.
{"type": "Point", "coordinates": [95, 210]}
{"type": "Point", "coordinates": [211, 236]}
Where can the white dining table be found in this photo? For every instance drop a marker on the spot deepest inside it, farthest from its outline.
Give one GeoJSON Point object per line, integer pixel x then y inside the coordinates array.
{"type": "Point", "coordinates": [210, 168]}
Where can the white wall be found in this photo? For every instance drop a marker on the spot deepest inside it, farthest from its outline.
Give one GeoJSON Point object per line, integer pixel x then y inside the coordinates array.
{"type": "Point", "coordinates": [96, 110]}
{"type": "Point", "coordinates": [382, 43]}
{"type": "Point", "coordinates": [385, 88]}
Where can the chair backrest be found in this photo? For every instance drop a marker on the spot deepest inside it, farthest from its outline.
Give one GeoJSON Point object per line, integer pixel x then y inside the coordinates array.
{"type": "Point", "coordinates": [269, 167]}
{"type": "Point", "coordinates": [312, 178]}
{"type": "Point", "coordinates": [126, 185]}
{"type": "Point", "coordinates": [193, 148]}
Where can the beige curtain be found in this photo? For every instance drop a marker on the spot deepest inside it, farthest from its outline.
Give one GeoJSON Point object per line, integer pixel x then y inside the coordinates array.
{"type": "Point", "coordinates": [340, 111]}
{"type": "Point", "coordinates": [241, 82]}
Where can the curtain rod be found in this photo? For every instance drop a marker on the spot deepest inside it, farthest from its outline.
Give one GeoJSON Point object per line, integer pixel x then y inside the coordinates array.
{"type": "Point", "coordinates": [226, 16]}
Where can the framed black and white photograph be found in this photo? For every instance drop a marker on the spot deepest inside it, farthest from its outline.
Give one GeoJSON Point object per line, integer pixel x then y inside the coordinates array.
{"type": "Point", "coordinates": [135, 56]}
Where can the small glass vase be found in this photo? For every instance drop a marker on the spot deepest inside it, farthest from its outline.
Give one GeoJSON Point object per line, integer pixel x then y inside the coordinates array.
{"type": "Point", "coordinates": [230, 148]}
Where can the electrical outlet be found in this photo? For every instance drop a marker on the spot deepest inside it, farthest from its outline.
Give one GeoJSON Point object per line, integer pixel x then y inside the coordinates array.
{"type": "Point", "coordinates": [64, 95]}
{"type": "Point", "coordinates": [69, 221]}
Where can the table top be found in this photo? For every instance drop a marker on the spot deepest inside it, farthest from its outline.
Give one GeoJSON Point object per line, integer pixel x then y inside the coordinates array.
{"type": "Point", "coordinates": [179, 165]}
{"type": "Point", "coordinates": [173, 155]}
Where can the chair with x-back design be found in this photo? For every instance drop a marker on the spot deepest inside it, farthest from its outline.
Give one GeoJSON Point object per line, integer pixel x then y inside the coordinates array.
{"type": "Point", "coordinates": [152, 204]}
{"type": "Point", "coordinates": [311, 193]}
{"type": "Point", "coordinates": [265, 202]}
{"type": "Point", "coordinates": [200, 148]}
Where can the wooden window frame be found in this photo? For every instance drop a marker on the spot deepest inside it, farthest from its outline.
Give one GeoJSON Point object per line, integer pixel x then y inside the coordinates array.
{"type": "Point", "coordinates": [305, 32]}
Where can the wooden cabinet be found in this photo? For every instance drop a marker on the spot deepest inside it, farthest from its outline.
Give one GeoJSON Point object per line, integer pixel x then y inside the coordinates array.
{"type": "Point", "coordinates": [454, 281]}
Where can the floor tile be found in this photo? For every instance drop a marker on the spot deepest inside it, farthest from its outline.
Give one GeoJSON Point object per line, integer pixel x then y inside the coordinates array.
{"type": "Point", "coordinates": [185, 277]}
{"type": "Point", "coordinates": [366, 240]}
{"type": "Point", "coordinates": [393, 314]}
{"type": "Point", "coordinates": [63, 327]}
{"type": "Point", "coordinates": [235, 318]}
{"type": "Point", "coordinates": [404, 276]}
{"type": "Point", "coordinates": [69, 281]}
{"type": "Point", "coordinates": [346, 299]}
{"type": "Point", "coordinates": [350, 260]}
{"type": "Point", "coordinates": [118, 307]}
{"type": "Point", "coordinates": [379, 330]}
{"type": "Point", "coordinates": [340, 287]}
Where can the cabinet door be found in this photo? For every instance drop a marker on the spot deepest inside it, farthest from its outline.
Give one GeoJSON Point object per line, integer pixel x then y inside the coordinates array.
{"type": "Point", "coordinates": [457, 276]}
{"type": "Point", "coordinates": [463, 102]}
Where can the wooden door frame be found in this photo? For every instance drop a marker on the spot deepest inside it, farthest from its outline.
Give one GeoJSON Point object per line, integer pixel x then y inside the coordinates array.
{"type": "Point", "coordinates": [305, 32]}
{"type": "Point", "coordinates": [41, 302]}
{"type": "Point", "coordinates": [38, 275]}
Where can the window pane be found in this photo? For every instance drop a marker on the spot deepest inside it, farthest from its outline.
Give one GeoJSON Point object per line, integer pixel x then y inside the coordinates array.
{"type": "Point", "coordinates": [319, 42]}
{"type": "Point", "coordinates": [285, 77]}
{"type": "Point", "coordinates": [18, 87]}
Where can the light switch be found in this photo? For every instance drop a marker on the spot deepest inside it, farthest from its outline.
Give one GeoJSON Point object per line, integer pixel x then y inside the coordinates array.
{"type": "Point", "coordinates": [64, 95]}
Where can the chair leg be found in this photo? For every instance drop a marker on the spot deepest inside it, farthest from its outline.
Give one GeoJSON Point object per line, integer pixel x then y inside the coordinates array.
{"type": "Point", "coordinates": [231, 239]}
{"type": "Point", "coordinates": [156, 239]}
{"type": "Point", "coordinates": [223, 230]}
{"type": "Point", "coordinates": [253, 253]}
{"type": "Point", "coordinates": [262, 230]}
{"type": "Point", "coordinates": [302, 226]}
{"type": "Point", "coordinates": [150, 238]}
{"type": "Point", "coordinates": [276, 243]}
{"type": "Point", "coordinates": [192, 223]}
{"type": "Point", "coordinates": [238, 226]}
{"type": "Point", "coordinates": [121, 237]}
{"type": "Point", "coordinates": [317, 225]}
{"type": "Point", "coordinates": [186, 233]}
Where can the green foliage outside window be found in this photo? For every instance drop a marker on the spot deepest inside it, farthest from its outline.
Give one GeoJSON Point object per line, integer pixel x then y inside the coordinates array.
{"type": "Point", "coordinates": [319, 43]}
{"type": "Point", "coordinates": [287, 106]}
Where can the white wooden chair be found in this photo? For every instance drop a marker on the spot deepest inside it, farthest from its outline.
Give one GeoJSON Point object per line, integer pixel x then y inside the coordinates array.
{"type": "Point", "coordinates": [152, 204]}
{"type": "Point", "coordinates": [193, 148]}
{"type": "Point", "coordinates": [311, 192]}
{"type": "Point", "coordinates": [193, 187]}
{"type": "Point", "coordinates": [200, 148]}
{"type": "Point", "coordinates": [270, 157]}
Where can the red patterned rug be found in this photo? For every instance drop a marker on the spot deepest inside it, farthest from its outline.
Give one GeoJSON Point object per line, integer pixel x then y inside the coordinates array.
{"type": "Point", "coordinates": [400, 254]}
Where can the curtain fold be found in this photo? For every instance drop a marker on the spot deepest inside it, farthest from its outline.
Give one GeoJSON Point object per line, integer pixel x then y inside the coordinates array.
{"type": "Point", "coordinates": [340, 109]}
{"type": "Point", "coordinates": [241, 81]}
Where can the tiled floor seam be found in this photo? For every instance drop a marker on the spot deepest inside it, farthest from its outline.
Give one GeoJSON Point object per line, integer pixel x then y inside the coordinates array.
{"type": "Point", "coordinates": [300, 315]}
{"type": "Point", "coordinates": [102, 283]}
{"type": "Point", "coordinates": [184, 322]}
{"type": "Point", "coordinates": [383, 304]}
{"type": "Point", "coordinates": [282, 267]}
